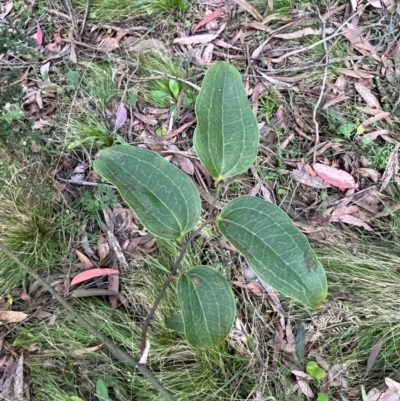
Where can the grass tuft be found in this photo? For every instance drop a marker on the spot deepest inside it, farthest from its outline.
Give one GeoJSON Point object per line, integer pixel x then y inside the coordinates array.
{"type": "Point", "coordinates": [117, 10]}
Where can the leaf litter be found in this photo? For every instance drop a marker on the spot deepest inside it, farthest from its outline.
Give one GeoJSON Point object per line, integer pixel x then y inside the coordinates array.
{"type": "Point", "coordinates": [330, 176]}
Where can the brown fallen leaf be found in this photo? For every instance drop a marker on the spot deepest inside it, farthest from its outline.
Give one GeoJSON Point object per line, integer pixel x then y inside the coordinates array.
{"type": "Point", "coordinates": [103, 247]}
{"type": "Point", "coordinates": [86, 262]}
{"type": "Point", "coordinates": [89, 350]}
{"type": "Point", "coordinates": [109, 44]}
{"type": "Point", "coordinates": [146, 119]}
{"type": "Point", "coordinates": [256, 25]}
{"type": "Point", "coordinates": [370, 173]}
{"type": "Point", "coordinates": [367, 96]}
{"type": "Point", "coordinates": [336, 376]}
{"type": "Point", "coordinates": [335, 177]}
{"type": "Point", "coordinates": [12, 317]}
{"type": "Point", "coordinates": [249, 8]}
{"type": "Point", "coordinates": [391, 168]}
{"type": "Point", "coordinates": [380, 116]}
{"type": "Point", "coordinates": [197, 39]}
{"type": "Point", "coordinates": [354, 221]}
{"type": "Point", "coordinates": [375, 134]}
{"type": "Point", "coordinates": [302, 33]}
{"type": "Point", "coordinates": [355, 73]}
{"type": "Point", "coordinates": [307, 179]}
{"type": "Point", "coordinates": [254, 287]}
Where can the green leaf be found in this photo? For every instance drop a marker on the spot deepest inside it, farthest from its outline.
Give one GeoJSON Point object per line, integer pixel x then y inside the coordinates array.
{"type": "Point", "coordinates": [163, 197]}
{"type": "Point", "coordinates": [274, 248]}
{"type": "Point", "coordinates": [75, 398]}
{"type": "Point", "coordinates": [132, 99]}
{"type": "Point", "coordinates": [102, 391]}
{"type": "Point", "coordinates": [175, 323]}
{"type": "Point", "coordinates": [322, 397]}
{"type": "Point", "coordinates": [174, 88]}
{"type": "Point", "coordinates": [208, 306]}
{"type": "Point", "coordinates": [227, 136]}
{"type": "Point", "coordinates": [315, 371]}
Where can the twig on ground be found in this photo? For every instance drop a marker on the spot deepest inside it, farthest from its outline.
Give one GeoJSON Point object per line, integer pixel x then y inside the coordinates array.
{"type": "Point", "coordinates": [119, 353]}
{"type": "Point", "coordinates": [321, 94]}
{"type": "Point", "coordinates": [175, 269]}
{"type": "Point", "coordinates": [309, 47]}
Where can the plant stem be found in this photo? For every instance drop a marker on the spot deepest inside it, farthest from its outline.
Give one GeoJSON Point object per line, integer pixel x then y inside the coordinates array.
{"type": "Point", "coordinates": [175, 269]}
{"type": "Point", "coordinates": [119, 353]}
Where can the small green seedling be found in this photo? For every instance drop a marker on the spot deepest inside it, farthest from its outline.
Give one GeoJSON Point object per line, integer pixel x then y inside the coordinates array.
{"type": "Point", "coordinates": [226, 141]}
{"type": "Point", "coordinates": [174, 88]}
{"type": "Point", "coordinates": [315, 371]}
{"type": "Point", "coordinates": [322, 397]}
{"type": "Point", "coordinates": [102, 391]}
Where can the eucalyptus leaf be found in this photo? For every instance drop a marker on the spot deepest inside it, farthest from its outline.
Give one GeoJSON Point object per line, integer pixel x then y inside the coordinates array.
{"type": "Point", "coordinates": [226, 137]}
{"type": "Point", "coordinates": [175, 323]}
{"type": "Point", "coordinates": [274, 248]}
{"type": "Point", "coordinates": [208, 306]}
{"type": "Point", "coordinates": [163, 197]}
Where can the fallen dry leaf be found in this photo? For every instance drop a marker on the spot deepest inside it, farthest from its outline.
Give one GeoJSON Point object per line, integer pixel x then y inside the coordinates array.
{"type": "Point", "coordinates": [12, 317]}
{"type": "Point", "coordinates": [89, 350]}
{"type": "Point", "coordinates": [86, 262]}
{"type": "Point", "coordinates": [7, 9]}
{"type": "Point", "coordinates": [336, 376]}
{"type": "Point", "coordinates": [109, 44]}
{"type": "Point", "coordinates": [302, 33]}
{"type": "Point", "coordinates": [337, 178]}
{"type": "Point", "coordinates": [254, 287]}
{"type": "Point", "coordinates": [121, 116]}
{"type": "Point", "coordinates": [392, 384]}
{"type": "Point", "coordinates": [370, 173]}
{"type": "Point", "coordinates": [374, 119]}
{"type": "Point", "coordinates": [249, 8]}
{"type": "Point", "coordinates": [391, 168]}
{"type": "Point", "coordinates": [375, 351]}
{"type": "Point", "coordinates": [89, 274]}
{"type": "Point", "coordinates": [197, 39]}
{"type": "Point", "coordinates": [307, 179]}
{"type": "Point", "coordinates": [113, 285]}
{"type": "Point", "coordinates": [353, 221]}
{"type": "Point", "coordinates": [215, 14]}
{"type": "Point", "coordinates": [367, 96]}
{"type": "Point", "coordinates": [257, 25]}
{"type": "Point", "coordinates": [375, 134]}
{"type": "Point", "coordinates": [103, 247]}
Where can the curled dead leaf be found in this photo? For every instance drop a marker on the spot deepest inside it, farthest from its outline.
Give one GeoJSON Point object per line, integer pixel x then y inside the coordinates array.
{"type": "Point", "coordinates": [12, 317]}
{"type": "Point", "coordinates": [337, 178]}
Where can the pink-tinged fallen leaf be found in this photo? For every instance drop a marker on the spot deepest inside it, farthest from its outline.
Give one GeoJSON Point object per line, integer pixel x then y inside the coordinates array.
{"type": "Point", "coordinates": [335, 177]}
{"type": "Point", "coordinates": [370, 173]}
{"type": "Point", "coordinates": [109, 44]}
{"type": "Point", "coordinates": [92, 273]}
{"type": "Point", "coordinates": [254, 287]}
{"type": "Point", "coordinates": [305, 388]}
{"type": "Point", "coordinates": [367, 96]}
{"type": "Point", "coordinates": [354, 221]}
{"type": "Point", "coordinates": [215, 14]}
{"type": "Point", "coordinates": [197, 39]}
{"type": "Point", "coordinates": [375, 134]}
{"type": "Point", "coordinates": [343, 211]}
{"type": "Point", "coordinates": [145, 354]}
{"type": "Point", "coordinates": [307, 179]}
{"type": "Point", "coordinates": [380, 116]}
{"type": "Point", "coordinates": [39, 35]}
{"type": "Point", "coordinates": [392, 384]}
{"type": "Point", "coordinates": [121, 116]}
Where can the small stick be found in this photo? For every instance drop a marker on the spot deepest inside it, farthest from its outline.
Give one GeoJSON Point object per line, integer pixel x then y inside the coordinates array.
{"type": "Point", "coordinates": [119, 353]}
{"type": "Point", "coordinates": [321, 94]}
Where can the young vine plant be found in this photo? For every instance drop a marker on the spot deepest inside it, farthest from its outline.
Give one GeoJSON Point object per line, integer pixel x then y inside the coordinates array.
{"type": "Point", "coordinates": [168, 204]}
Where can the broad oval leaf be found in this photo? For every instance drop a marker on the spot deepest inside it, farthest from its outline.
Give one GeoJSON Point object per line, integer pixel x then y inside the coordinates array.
{"type": "Point", "coordinates": [226, 137]}
{"type": "Point", "coordinates": [175, 323]}
{"type": "Point", "coordinates": [274, 248]}
{"type": "Point", "coordinates": [163, 197]}
{"type": "Point", "coordinates": [208, 306]}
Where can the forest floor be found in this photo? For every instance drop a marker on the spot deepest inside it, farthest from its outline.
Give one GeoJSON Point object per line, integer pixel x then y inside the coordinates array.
{"type": "Point", "coordinates": [323, 79]}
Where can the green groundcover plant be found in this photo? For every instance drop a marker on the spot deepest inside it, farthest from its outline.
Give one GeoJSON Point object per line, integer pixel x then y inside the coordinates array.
{"type": "Point", "coordinates": [168, 205]}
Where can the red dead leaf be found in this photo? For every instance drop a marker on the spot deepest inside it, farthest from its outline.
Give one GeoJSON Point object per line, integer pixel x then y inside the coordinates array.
{"type": "Point", "coordinates": [92, 273]}
{"type": "Point", "coordinates": [215, 14]}
{"type": "Point", "coordinates": [335, 177]}
{"type": "Point", "coordinates": [39, 35]}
